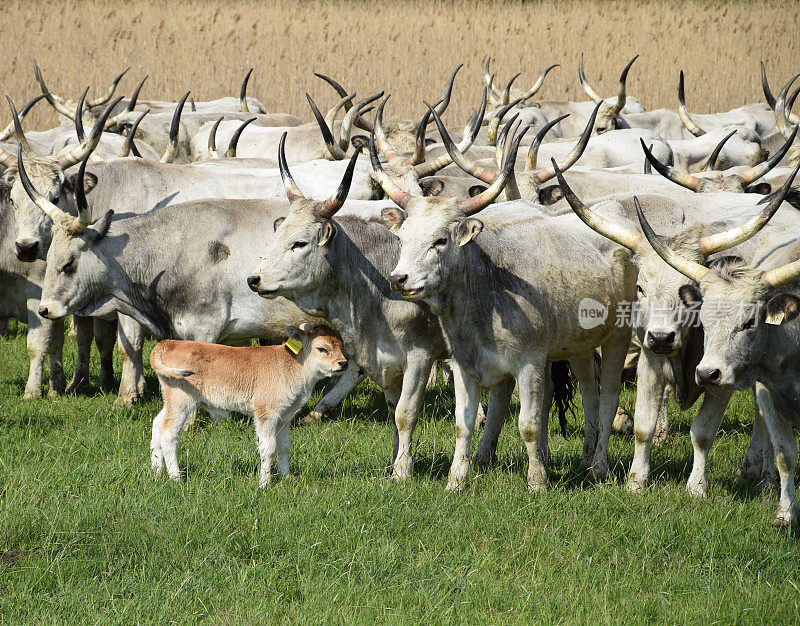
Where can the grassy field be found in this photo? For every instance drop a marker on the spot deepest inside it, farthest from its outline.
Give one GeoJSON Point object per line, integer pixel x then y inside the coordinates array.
{"type": "Point", "coordinates": [407, 48]}
{"type": "Point", "coordinates": [88, 534]}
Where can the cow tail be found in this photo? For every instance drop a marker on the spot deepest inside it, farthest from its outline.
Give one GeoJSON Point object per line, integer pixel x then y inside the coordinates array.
{"type": "Point", "coordinates": [166, 370]}
{"type": "Point", "coordinates": [564, 385]}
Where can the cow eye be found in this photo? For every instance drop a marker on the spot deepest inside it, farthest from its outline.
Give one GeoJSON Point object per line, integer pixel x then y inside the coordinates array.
{"type": "Point", "coordinates": [749, 324]}
{"type": "Point", "coordinates": [323, 350]}
{"type": "Point", "coordinates": [69, 266]}
{"type": "Point", "coordinates": [442, 241]}
{"type": "Point", "coordinates": [639, 289]}
{"type": "Point", "coordinates": [299, 244]}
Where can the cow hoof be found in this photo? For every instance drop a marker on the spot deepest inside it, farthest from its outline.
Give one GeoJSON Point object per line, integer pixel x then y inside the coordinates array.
{"type": "Point", "coordinates": [782, 524]}
{"type": "Point", "coordinates": [636, 484]}
{"type": "Point", "coordinates": [32, 394]}
{"type": "Point", "coordinates": [455, 485]}
{"type": "Point", "coordinates": [127, 399]}
{"type": "Point", "coordinates": [314, 417]}
{"type": "Point", "coordinates": [537, 487]}
{"type": "Point", "coordinates": [54, 393]}
{"type": "Point", "coordinates": [697, 489]}
{"type": "Point", "coordinates": [660, 437]}
{"type": "Point", "coordinates": [484, 460]}
{"type": "Point", "coordinates": [599, 473]}
{"type": "Point", "coordinates": [106, 383]}
{"type": "Point", "coordinates": [623, 424]}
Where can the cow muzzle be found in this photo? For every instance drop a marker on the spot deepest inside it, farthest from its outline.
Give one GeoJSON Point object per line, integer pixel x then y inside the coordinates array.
{"type": "Point", "coordinates": [708, 376]}
{"type": "Point", "coordinates": [27, 250]}
{"type": "Point", "coordinates": [52, 311]}
{"type": "Point", "coordinates": [662, 343]}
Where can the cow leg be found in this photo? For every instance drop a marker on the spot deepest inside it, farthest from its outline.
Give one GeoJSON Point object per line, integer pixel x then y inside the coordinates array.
{"type": "Point", "coordinates": [284, 442]}
{"type": "Point", "coordinates": [156, 453]}
{"type": "Point", "coordinates": [267, 433]}
{"type": "Point", "coordinates": [614, 351]}
{"type": "Point", "coordinates": [703, 431]}
{"type": "Point", "coordinates": [584, 372]}
{"type": "Point", "coordinates": [55, 351]}
{"type": "Point", "coordinates": [84, 332]}
{"type": "Point", "coordinates": [130, 343]}
{"type": "Point", "coordinates": [499, 400]}
{"type": "Point", "coordinates": [750, 469]}
{"type": "Point", "coordinates": [468, 398]}
{"type": "Point", "coordinates": [392, 396]}
{"type": "Point", "coordinates": [406, 412]}
{"type": "Point", "coordinates": [177, 406]}
{"type": "Point", "coordinates": [662, 424]}
{"type": "Point", "coordinates": [768, 478]}
{"type": "Point", "coordinates": [347, 382]}
{"type": "Point", "coordinates": [785, 445]}
{"type": "Point", "coordinates": [105, 336]}
{"type": "Point", "coordinates": [532, 386]}
{"type": "Point", "coordinates": [651, 387]}
{"type": "Point", "coordinates": [39, 333]}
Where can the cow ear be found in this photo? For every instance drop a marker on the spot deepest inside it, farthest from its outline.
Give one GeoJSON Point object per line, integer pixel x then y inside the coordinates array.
{"type": "Point", "coordinates": [782, 308]}
{"type": "Point", "coordinates": [328, 231]}
{"type": "Point", "coordinates": [476, 190]}
{"type": "Point", "coordinates": [393, 217]}
{"type": "Point", "coordinates": [5, 188]}
{"type": "Point", "coordinates": [359, 141]}
{"type": "Point", "coordinates": [89, 182]}
{"type": "Point", "coordinates": [431, 186]}
{"type": "Point", "coordinates": [690, 295]}
{"type": "Point", "coordinates": [760, 188]}
{"type": "Point", "coordinates": [277, 223]}
{"type": "Point", "coordinates": [467, 230]}
{"type": "Point", "coordinates": [306, 327]}
{"type": "Point", "coordinates": [550, 195]}
{"type": "Point", "coordinates": [8, 177]}
{"type": "Point", "coordinates": [293, 332]}
{"type": "Point", "coordinates": [99, 229]}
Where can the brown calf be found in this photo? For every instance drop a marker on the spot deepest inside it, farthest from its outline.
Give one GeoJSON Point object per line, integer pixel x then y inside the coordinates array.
{"type": "Point", "coordinates": [271, 383]}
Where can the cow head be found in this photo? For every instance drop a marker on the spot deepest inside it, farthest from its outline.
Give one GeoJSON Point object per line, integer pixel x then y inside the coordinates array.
{"type": "Point", "coordinates": [48, 175]}
{"type": "Point", "coordinates": [433, 230]}
{"type": "Point", "coordinates": [736, 183]}
{"type": "Point", "coordinates": [71, 236]}
{"type": "Point", "coordinates": [608, 115]}
{"type": "Point", "coordinates": [322, 348]}
{"type": "Point", "coordinates": [662, 311]}
{"type": "Point", "coordinates": [738, 304]}
{"type": "Point", "coordinates": [295, 263]}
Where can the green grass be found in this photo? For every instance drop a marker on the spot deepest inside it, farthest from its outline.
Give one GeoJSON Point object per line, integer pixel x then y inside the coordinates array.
{"type": "Point", "coordinates": [88, 534]}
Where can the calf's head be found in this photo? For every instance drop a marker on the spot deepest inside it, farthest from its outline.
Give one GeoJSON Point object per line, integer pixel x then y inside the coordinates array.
{"type": "Point", "coordinates": [322, 349]}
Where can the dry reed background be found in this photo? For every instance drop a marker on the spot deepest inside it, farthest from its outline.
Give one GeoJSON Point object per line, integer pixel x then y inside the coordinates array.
{"type": "Point", "coordinates": [406, 48]}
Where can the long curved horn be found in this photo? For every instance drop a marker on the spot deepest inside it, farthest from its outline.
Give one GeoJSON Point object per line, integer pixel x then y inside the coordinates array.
{"type": "Point", "coordinates": [292, 190]}
{"type": "Point", "coordinates": [488, 79]}
{"type": "Point", "coordinates": [50, 209]}
{"type": "Point", "coordinates": [79, 131]}
{"type": "Point", "coordinates": [400, 197]}
{"type": "Point", "coordinates": [328, 208]}
{"type": "Point", "coordinates": [683, 112]}
{"type": "Point", "coordinates": [533, 151]}
{"type": "Point", "coordinates": [765, 86]}
{"type": "Point", "coordinates": [212, 140]}
{"type": "Point", "coordinates": [615, 232]}
{"type": "Point", "coordinates": [382, 141]}
{"type": "Point", "coordinates": [360, 122]}
{"type": "Point", "coordinates": [86, 148]}
{"type": "Point", "coordinates": [573, 155]}
{"type": "Point", "coordinates": [23, 141]}
{"type": "Point", "coordinates": [648, 168]}
{"type": "Point", "coordinates": [491, 132]}
{"type": "Point", "coordinates": [473, 205]}
{"type": "Point", "coordinates": [109, 92]}
{"type": "Point", "coordinates": [718, 242]}
{"type": "Point", "coordinates": [327, 136]}
{"type": "Point", "coordinates": [500, 148]}
{"type": "Point", "coordinates": [444, 102]}
{"type": "Point", "coordinates": [243, 93]}
{"type": "Point", "coordinates": [419, 140]}
{"type": "Point", "coordinates": [234, 142]}
{"type": "Point", "coordinates": [684, 180]}
{"type": "Point", "coordinates": [6, 132]}
{"type": "Point", "coordinates": [40, 81]}
{"type": "Point", "coordinates": [585, 83]}
{"type": "Point", "coordinates": [538, 84]}
{"type": "Point", "coordinates": [135, 97]}
{"type": "Point", "coordinates": [130, 144]}
{"type": "Point", "coordinates": [506, 97]}
{"type": "Point", "coordinates": [780, 109]}
{"type": "Point", "coordinates": [84, 214]}
{"type": "Point", "coordinates": [690, 269]}
{"type": "Point", "coordinates": [466, 164]}
{"type": "Point", "coordinates": [174, 128]}
{"type": "Point", "coordinates": [711, 164]}
{"type": "Point", "coordinates": [349, 119]}
{"type": "Point", "coordinates": [330, 116]}
{"type": "Point", "coordinates": [756, 172]}
{"type": "Point", "coordinates": [511, 189]}
{"type": "Point", "coordinates": [621, 97]}
{"type": "Point", "coordinates": [470, 135]}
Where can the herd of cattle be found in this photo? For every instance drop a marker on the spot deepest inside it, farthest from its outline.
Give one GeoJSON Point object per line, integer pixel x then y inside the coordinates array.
{"type": "Point", "coordinates": [418, 249]}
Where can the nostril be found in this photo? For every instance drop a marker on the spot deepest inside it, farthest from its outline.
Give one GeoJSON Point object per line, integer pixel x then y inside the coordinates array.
{"type": "Point", "coordinates": [401, 280]}
{"type": "Point", "coordinates": [43, 311]}
{"type": "Point", "coordinates": [252, 281]}
{"type": "Point", "coordinates": [342, 363]}
{"type": "Point", "coordinates": [669, 337]}
{"type": "Point", "coordinates": [714, 376]}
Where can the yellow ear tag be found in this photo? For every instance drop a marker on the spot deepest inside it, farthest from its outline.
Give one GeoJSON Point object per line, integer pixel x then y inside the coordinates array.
{"type": "Point", "coordinates": [776, 318]}
{"type": "Point", "coordinates": [295, 345]}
